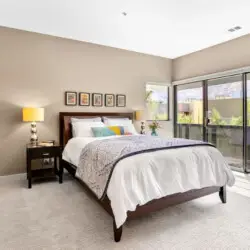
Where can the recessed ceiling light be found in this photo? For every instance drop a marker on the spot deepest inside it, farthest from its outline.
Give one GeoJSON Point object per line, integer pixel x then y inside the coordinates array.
{"type": "Point", "coordinates": [235, 29]}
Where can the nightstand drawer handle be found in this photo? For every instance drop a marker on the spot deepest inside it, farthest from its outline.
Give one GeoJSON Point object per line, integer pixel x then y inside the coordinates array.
{"type": "Point", "coordinates": [45, 154]}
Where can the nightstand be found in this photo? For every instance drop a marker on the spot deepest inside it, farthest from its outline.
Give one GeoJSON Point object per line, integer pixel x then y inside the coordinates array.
{"type": "Point", "coordinates": [41, 152]}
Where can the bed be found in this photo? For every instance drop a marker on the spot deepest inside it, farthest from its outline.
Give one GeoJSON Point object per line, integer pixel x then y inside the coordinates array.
{"type": "Point", "coordinates": [140, 210]}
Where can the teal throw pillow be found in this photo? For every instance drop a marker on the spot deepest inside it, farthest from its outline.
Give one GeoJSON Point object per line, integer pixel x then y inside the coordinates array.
{"type": "Point", "coordinates": [102, 131]}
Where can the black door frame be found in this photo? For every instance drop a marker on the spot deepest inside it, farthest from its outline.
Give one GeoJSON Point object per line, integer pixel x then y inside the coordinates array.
{"type": "Point", "coordinates": [244, 105]}
{"type": "Point", "coordinates": [205, 110]}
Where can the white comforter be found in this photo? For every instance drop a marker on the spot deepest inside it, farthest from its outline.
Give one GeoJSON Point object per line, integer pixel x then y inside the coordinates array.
{"type": "Point", "coordinates": [141, 178]}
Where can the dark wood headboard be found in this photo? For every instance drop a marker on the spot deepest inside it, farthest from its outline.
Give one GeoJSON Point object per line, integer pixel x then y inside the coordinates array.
{"type": "Point", "coordinates": [65, 124]}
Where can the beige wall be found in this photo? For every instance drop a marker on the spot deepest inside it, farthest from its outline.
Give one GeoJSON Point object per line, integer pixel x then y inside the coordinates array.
{"type": "Point", "coordinates": [226, 56]}
{"type": "Point", "coordinates": [35, 70]}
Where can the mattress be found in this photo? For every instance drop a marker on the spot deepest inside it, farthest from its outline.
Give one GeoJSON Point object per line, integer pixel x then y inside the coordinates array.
{"type": "Point", "coordinates": [141, 178]}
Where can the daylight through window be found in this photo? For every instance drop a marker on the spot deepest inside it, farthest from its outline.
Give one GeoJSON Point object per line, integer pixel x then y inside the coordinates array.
{"type": "Point", "coordinates": [157, 102]}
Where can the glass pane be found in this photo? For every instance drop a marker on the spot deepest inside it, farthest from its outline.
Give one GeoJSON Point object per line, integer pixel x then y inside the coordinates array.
{"type": "Point", "coordinates": [190, 110]}
{"type": "Point", "coordinates": [225, 113]}
{"type": "Point", "coordinates": [248, 124]}
{"type": "Point", "coordinates": [157, 101]}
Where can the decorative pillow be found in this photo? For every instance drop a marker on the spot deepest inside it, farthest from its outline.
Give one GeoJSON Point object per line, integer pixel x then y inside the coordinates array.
{"type": "Point", "coordinates": [124, 123]}
{"type": "Point", "coordinates": [102, 131]}
{"type": "Point", "coordinates": [127, 133]}
{"type": "Point", "coordinates": [110, 130]}
{"type": "Point", "coordinates": [83, 129]}
{"type": "Point", "coordinates": [118, 130]}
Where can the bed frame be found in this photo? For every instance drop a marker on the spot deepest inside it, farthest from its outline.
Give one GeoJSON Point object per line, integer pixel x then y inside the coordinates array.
{"type": "Point", "coordinates": [152, 206]}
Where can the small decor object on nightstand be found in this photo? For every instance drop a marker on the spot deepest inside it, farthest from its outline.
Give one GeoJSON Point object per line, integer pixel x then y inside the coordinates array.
{"type": "Point", "coordinates": [34, 152]}
{"type": "Point", "coordinates": [46, 143]}
{"type": "Point", "coordinates": [33, 115]}
{"type": "Point", "coordinates": [153, 127]}
{"type": "Point", "coordinates": [97, 100]}
{"type": "Point", "coordinates": [70, 98]}
{"type": "Point", "coordinates": [109, 100]}
{"type": "Point", "coordinates": [120, 101]}
{"type": "Point", "coordinates": [139, 116]}
{"type": "Point", "coordinates": [84, 99]}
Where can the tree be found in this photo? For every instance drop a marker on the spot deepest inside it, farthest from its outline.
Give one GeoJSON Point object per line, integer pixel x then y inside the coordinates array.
{"type": "Point", "coordinates": [216, 118]}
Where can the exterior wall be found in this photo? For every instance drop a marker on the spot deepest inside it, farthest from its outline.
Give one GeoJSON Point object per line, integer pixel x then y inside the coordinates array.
{"type": "Point", "coordinates": [235, 110]}
{"type": "Point", "coordinates": [227, 108]}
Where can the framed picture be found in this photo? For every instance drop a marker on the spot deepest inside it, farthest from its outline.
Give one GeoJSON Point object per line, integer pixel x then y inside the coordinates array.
{"type": "Point", "coordinates": [70, 98]}
{"type": "Point", "coordinates": [109, 100]}
{"type": "Point", "coordinates": [97, 100]}
{"type": "Point", "coordinates": [84, 99]}
{"type": "Point", "coordinates": [120, 101]}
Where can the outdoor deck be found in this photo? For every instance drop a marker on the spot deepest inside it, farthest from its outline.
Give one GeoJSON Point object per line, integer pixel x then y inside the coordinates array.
{"type": "Point", "coordinates": [228, 139]}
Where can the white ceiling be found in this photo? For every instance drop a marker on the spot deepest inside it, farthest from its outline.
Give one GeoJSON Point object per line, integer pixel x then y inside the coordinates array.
{"type": "Point", "coordinates": [168, 28]}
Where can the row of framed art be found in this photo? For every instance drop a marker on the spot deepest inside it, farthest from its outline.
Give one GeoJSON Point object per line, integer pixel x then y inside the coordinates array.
{"type": "Point", "coordinates": [95, 98]}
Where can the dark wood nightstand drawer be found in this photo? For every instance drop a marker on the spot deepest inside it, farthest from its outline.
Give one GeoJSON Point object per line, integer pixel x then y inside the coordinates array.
{"type": "Point", "coordinates": [45, 152]}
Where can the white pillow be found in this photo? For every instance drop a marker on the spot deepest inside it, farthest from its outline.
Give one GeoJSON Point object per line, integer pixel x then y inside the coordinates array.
{"type": "Point", "coordinates": [121, 122]}
{"type": "Point", "coordinates": [83, 129]}
{"type": "Point", "coordinates": [114, 121]}
{"type": "Point", "coordinates": [94, 119]}
{"type": "Point", "coordinates": [105, 119]}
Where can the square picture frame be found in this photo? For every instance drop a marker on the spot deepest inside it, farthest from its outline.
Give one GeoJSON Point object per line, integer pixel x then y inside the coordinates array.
{"type": "Point", "coordinates": [109, 100]}
{"type": "Point", "coordinates": [70, 98]}
{"type": "Point", "coordinates": [97, 100]}
{"type": "Point", "coordinates": [84, 99]}
{"type": "Point", "coordinates": [120, 100]}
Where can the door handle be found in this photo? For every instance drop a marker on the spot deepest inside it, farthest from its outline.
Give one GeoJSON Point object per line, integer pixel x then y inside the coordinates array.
{"type": "Point", "coordinates": [207, 118]}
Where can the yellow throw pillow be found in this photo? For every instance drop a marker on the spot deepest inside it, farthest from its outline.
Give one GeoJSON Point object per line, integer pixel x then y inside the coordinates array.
{"type": "Point", "coordinates": [116, 129]}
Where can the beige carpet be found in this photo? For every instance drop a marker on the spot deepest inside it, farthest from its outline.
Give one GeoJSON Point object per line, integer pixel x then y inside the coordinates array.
{"type": "Point", "coordinates": [53, 216]}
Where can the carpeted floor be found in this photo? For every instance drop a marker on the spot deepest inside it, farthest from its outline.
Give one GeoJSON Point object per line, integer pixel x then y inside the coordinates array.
{"type": "Point", "coordinates": [53, 216]}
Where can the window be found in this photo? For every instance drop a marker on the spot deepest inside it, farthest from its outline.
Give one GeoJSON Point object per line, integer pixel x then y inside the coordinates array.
{"type": "Point", "coordinates": [157, 102]}
{"type": "Point", "coordinates": [190, 103]}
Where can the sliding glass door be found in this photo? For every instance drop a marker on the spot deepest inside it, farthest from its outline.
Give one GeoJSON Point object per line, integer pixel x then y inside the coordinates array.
{"type": "Point", "coordinates": [224, 126]}
{"type": "Point", "coordinates": [189, 117]}
{"type": "Point", "coordinates": [217, 111]}
{"type": "Point", "coordinates": [247, 129]}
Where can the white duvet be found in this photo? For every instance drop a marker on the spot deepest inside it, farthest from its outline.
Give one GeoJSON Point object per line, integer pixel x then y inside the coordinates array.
{"type": "Point", "coordinates": [141, 178]}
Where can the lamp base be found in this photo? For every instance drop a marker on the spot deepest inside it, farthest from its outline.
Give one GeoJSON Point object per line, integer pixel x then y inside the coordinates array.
{"type": "Point", "coordinates": [33, 137]}
{"type": "Point", "coordinates": [143, 128]}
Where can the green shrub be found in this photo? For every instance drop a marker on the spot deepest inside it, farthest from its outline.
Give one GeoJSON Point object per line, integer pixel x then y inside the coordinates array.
{"type": "Point", "coordinates": [182, 118]}
{"type": "Point", "coordinates": [216, 118]}
{"type": "Point", "coordinates": [236, 121]}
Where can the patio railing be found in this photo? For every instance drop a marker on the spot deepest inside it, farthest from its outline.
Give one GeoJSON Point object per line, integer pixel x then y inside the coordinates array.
{"type": "Point", "coordinates": [227, 138]}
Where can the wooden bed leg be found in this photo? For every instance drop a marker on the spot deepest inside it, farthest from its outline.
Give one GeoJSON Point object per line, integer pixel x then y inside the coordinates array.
{"type": "Point", "coordinates": [223, 194]}
{"type": "Point", "coordinates": [117, 232]}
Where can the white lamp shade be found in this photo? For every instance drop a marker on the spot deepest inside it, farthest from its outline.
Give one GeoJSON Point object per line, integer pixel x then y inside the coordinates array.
{"type": "Point", "coordinates": [183, 107]}
{"type": "Point", "coordinates": [33, 114]}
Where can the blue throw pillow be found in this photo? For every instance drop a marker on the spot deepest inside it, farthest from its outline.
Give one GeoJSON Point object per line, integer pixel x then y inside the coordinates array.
{"type": "Point", "coordinates": [102, 131]}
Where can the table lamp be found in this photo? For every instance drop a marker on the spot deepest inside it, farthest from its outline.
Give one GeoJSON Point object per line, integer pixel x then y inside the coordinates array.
{"type": "Point", "coordinates": [139, 116]}
{"type": "Point", "coordinates": [33, 115]}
